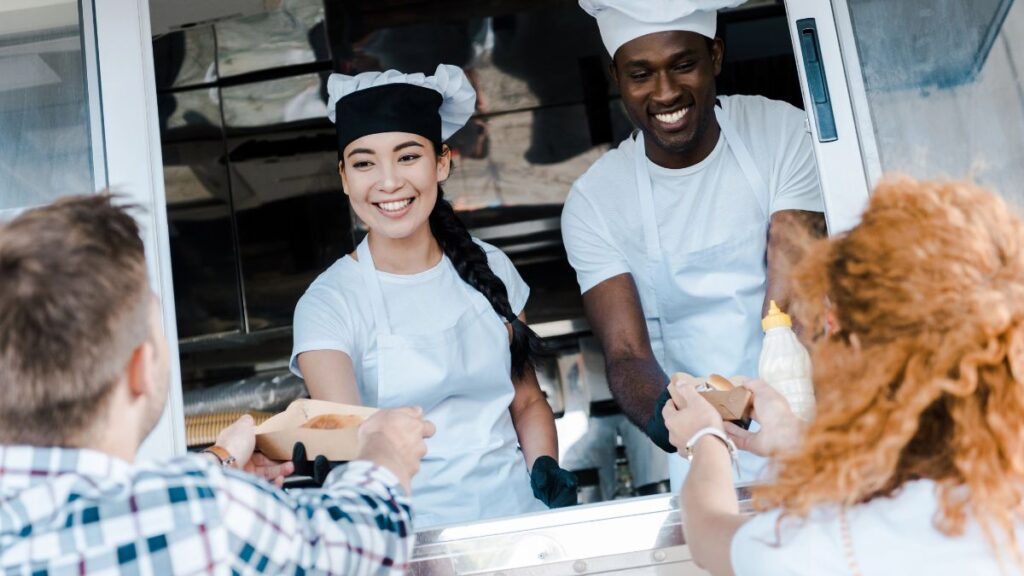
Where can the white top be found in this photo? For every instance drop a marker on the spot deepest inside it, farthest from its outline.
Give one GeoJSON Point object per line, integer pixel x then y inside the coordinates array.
{"type": "Point", "coordinates": [697, 207]}
{"type": "Point", "coordinates": [335, 312]}
{"type": "Point", "coordinates": [889, 536]}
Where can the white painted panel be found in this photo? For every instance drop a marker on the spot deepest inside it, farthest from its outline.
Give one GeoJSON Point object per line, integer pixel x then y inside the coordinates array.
{"type": "Point", "coordinates": [134, 167]}
{"type": "Point", "coordinates": [840, 165]}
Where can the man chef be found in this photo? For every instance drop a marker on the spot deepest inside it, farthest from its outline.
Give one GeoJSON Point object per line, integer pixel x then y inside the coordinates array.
{"type": "Point", "coordinates": [672, 233]}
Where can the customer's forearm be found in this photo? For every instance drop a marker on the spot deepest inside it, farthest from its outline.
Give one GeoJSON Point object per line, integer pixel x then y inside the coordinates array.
{"type": "Point", "coordinates": [636, 384]}
{"type": "Point", "coordinates": [709, 482]}
{"type": "Point", "coordinates": [358, 523]}
{"type": "Point", "coordinates": [710, 507]}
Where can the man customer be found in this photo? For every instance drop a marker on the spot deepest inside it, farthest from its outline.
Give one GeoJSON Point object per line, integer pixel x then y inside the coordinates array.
{"type": "Point", "coordinates": [84, 377]}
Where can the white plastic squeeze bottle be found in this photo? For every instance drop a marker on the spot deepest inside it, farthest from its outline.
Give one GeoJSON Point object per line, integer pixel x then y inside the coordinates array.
{"type": "Point", "coordinates": [785, 363]}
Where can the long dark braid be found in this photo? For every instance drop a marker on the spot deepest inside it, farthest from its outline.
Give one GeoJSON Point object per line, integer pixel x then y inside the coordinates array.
{"type": "Point", "coordinates": [470, 262]}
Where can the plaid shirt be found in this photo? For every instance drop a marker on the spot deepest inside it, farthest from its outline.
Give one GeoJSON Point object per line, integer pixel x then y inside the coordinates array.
{"type": "Point", "coordinates": [82, 512]}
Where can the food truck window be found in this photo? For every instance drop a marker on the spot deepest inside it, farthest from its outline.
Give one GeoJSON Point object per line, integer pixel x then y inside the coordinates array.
{"type": "Point", "coordinates": [50, 125]}
{"type": "Point", "coordinates": [941, 108]}
{"type": "Point", "coordinates": [257, 210]}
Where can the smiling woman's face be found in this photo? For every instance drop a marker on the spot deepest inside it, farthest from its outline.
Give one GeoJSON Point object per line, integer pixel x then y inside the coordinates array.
{"type": "Point", "coordinates": [391, 180]}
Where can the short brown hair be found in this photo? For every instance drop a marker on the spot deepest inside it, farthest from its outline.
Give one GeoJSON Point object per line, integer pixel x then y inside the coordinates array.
{"type": "Point", "coordinates": [73, 307]}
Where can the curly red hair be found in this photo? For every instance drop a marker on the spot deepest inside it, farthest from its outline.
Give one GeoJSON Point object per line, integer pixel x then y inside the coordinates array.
{"type": "Point", "coordinates": [925, 377]}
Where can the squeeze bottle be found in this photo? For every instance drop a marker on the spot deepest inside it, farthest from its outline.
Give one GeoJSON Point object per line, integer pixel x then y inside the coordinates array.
{"type": "Point", "coordinates": [785, 364]}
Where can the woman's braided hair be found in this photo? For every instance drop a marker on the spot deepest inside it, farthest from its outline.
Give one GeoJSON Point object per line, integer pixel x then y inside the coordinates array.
{"type": "Point", "coordinates": [470, 262]}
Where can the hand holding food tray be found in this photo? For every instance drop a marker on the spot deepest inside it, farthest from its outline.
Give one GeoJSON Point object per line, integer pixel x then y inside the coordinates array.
{"type": "Point", "coordinates": [325, 429]}
{"type": "Point", "coordinates": [733, 401]}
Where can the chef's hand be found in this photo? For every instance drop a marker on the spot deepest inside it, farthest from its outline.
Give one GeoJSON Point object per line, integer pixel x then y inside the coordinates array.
{"type": "Point", "coordinates": [394, 439]}
{"type": "Point", "coordinates": [318, 468]}
{"type": "Point", "coordinates": [780, 428]}
{"type": "Point", "coordinates": [697, 413]}
{"type": "Point", "coordinates": [655, 428]}
{"type": "Point", "coordinates": [553, 485]}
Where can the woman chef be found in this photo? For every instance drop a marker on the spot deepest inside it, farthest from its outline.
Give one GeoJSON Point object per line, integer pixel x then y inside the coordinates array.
{"type": "Point", "coordinates": [423, 314]}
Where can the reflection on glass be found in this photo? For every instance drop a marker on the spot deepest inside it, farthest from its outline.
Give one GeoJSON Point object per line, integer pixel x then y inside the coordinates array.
{"type": "Point", "coordinates": [515, 61]}
{"type": "Point", "coordinates": [941, 108]}
{"type": "Point", "coordinates": [207, 296]}
{"type": "Point", "coordinates": [530, 158]}
{"type": "Point", "coordinates": [185, 58]}
{"type": "Point", "coordinates": [292, 218]}
{"type": "Point", "coordinates": [274, 102]}
{"type": "Point", "coordinates": [292, 34]}
{"type": "Point", "coordinates": [555, 52]}
{"type": "Point", "coordinates": [45, 140]}
{"type": "Point", "coordinates": [189, 114]}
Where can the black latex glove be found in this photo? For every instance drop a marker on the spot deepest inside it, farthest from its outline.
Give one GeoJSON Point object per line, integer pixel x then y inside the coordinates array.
{"type": "Point", "coordinates": [655, 428]}
{"type": "Point", "coordinates": [318, 469]}
{"type": "Point", "coordinates": [552, 485]}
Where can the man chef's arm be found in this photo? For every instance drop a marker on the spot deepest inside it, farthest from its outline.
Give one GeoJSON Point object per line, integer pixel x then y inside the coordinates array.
{"type": "Point", "coordinates": [788, 235]}
{"type": "Point", "coordinates": [797, 206]}
{"type": "Point", "coordinates": [635, 378]}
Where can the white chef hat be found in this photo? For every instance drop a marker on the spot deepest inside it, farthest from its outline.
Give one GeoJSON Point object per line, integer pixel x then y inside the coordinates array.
{"type": "Point", "coordinates": [623, 20]}
{"type": "Point", "coordinates": [434, 107]}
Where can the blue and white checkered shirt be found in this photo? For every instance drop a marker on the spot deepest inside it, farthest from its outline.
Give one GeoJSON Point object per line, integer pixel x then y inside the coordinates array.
{"type": "Point", "coordinates": [77, 512]}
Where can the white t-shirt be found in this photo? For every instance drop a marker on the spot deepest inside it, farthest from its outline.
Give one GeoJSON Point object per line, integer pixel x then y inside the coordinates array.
{"type": "Point", "coordinates": [335, 312]}
{"type": "Point", "coordinates": [697, 207]}
{"type": "Point", "coordinates": [889, 536]}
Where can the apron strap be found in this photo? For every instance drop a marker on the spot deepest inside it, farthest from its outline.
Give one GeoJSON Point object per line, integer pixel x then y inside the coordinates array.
{"type": "Point", "coordinates": [648, 218]}
{"type": "Point", "coordinates": [376, 293]}
{"type": "Point", "coordinates": [645, 199]}
{"type": "Point", "coordinates": [645, 192]}
{"type": "Point", "coordinates": [373, 289]}
{"type": "Point", "coordinates": [746, 161]}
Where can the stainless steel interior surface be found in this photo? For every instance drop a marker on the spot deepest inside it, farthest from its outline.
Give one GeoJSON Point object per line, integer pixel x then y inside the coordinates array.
{"type": "Point", "coordinates": [636, 536]}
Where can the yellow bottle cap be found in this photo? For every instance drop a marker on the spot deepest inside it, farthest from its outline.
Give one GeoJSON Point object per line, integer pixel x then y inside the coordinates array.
{"type": "Point", "coordinates": [776, 318]}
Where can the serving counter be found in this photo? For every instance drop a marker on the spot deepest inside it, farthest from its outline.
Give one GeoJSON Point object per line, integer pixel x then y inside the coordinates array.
{"type": "Point", "coordinates": [633, 536]}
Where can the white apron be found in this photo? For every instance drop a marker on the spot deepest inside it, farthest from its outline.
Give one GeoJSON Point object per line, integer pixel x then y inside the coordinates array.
{"type": "Point", "coordinates": [461, 377]}
{"type": "Point", "coordinates": [708, 303]}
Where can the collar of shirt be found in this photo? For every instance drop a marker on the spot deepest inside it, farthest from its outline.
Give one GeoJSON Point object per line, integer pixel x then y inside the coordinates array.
{"type": "Point", "coordinates": [26, 466]}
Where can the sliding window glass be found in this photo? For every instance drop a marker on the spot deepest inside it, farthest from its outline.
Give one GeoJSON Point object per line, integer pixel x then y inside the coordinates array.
{"type": "Point", "coordinates": [50, 128]}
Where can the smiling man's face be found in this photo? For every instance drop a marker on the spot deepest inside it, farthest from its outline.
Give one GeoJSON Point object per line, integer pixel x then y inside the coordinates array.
{"type": "Point", "coordinates": [667, 82]}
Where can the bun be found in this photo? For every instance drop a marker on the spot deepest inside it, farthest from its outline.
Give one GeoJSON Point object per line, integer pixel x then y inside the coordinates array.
{"type": "Point", "coordinates": [719, 383]}
{"type": "Point", "coordinates": [333, 421]}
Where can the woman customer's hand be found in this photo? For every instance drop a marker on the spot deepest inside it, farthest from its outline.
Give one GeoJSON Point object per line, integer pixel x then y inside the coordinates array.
{"type": "Point", "coordinates": [780, 429]}
{"type": "Point", "coordinates": [696, 413]}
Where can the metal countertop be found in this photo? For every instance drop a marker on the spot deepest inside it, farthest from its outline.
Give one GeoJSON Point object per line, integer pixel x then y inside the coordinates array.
{"type": "Point", "coordinates": [635, 536]}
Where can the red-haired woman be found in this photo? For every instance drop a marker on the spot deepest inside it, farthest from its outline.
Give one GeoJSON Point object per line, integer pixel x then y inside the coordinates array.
{"type": "Point", "coordinates": [915, 462]}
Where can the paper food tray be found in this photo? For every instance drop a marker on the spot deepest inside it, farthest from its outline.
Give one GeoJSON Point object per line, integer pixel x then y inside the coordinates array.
{"type": "Point", "coordinates": [277, 436]}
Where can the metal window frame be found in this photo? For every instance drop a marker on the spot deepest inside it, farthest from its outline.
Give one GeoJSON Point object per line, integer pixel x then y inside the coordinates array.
{"type": "Point", "coordinates": [126, 84]}
{"type": "Point", "coordinates": [854, 75]}
{"type": "Point", "coordinates": [842, 171]}
{"type": "Point", "coordinates": [90, 58]}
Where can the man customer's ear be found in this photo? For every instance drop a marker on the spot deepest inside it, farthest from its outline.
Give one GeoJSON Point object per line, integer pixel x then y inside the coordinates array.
{"type": "Point", "coordinates": [141, 370]}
